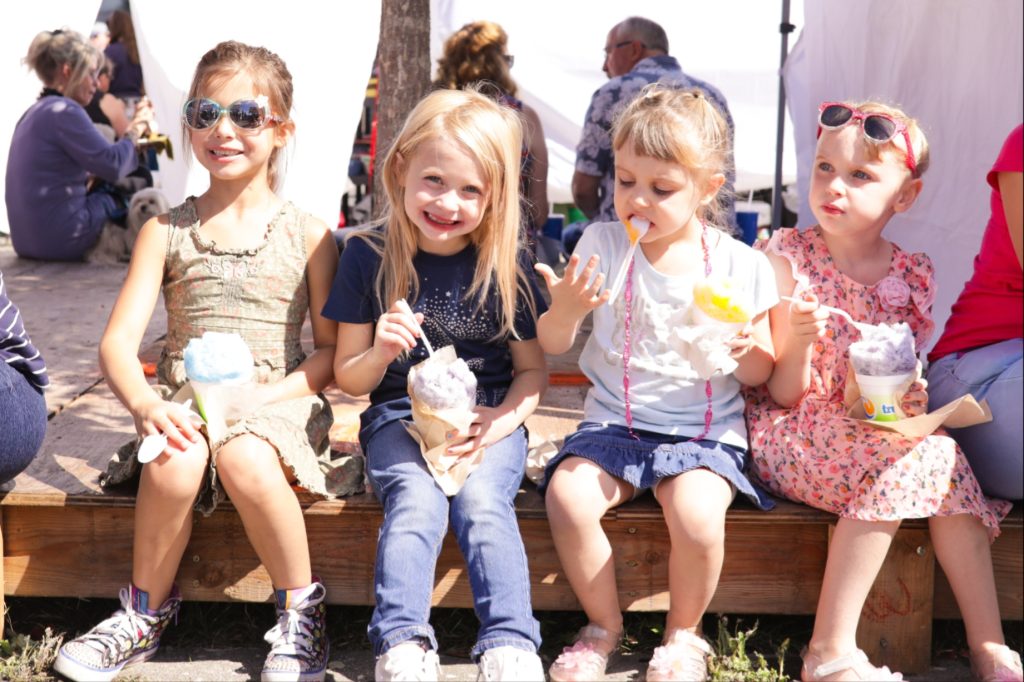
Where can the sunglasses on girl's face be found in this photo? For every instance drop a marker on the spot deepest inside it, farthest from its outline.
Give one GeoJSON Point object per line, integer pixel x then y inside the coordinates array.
{"type": "Point", "coordinates": [244, 114]}
{"type": "Point", "coordinates": [878, 128]}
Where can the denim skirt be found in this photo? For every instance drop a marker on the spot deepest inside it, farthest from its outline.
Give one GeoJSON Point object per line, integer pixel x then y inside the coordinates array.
{"type": "Point", "coordinates": [648, 457]}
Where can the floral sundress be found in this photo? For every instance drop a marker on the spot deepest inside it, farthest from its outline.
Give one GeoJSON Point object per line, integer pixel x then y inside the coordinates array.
{"type": "Point", "coordinates": [813, 453]}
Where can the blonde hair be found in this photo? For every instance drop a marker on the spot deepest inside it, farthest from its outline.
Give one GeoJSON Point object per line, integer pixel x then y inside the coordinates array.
{"type": "Point", "coordinates": [918, 141]}
{"type": "Point", "coordinates": [679, 126]}
{"type": "Point", "coordinates": [492, 135]}
{"type": "Point", "coordinates": [51, 50]}
{"type": "Point", "coordinates": [270, 77]}
{"type": "Point", "coordinates": [476, 52]}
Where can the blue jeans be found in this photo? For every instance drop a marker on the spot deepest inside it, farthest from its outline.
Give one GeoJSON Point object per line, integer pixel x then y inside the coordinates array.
{"type": "Point", "coordinates": [995, 449]}
{"type": "Point", "coordinates": [22, 422]}
{"type": "Point", "coordinates": [416, 518]}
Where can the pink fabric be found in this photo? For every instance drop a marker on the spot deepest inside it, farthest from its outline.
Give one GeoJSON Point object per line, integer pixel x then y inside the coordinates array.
{"type": "Point", "coordinates": [813, 453]}
{"type": "Point", "coordinates": [990, 309]}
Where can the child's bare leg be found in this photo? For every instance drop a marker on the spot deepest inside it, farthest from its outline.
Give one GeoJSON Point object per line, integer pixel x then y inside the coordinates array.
{"type": "Point", "coordinates": [163, 519]}
{"type": "Point", "coordinates": [578, 496]}
{"type": "Point", "coordinates": [855, 556]}
{"type": "Point", "coordinates": [256, 482]}
{"type": "Point", "coordinates": [694, 504]}
{"type": "Point", "coordinates": [962, 548]}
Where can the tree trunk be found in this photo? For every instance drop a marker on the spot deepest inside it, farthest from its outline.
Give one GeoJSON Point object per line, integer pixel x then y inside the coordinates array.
{"type": "Point", "coordinates": [404, 60]}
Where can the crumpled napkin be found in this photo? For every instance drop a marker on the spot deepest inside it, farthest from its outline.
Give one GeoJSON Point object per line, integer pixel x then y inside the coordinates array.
{"type": "Point", "coordinates": [703, 345]}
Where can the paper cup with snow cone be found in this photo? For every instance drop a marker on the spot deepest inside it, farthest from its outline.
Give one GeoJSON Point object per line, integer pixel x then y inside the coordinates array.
{"type": "Point", "coordinates": [880, 396]}
{"type": "Point", "coordinates": [885, 365]}
{"type": "Point", "coordinates": [218, 366]}
{"type": "Point", "coordinates": [442, 390]}
{"type": "Point", "coordinates": [721, 301]}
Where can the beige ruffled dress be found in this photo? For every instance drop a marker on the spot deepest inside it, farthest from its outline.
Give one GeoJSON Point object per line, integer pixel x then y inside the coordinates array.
{"type": "Point", "coordinates": [261, 294]}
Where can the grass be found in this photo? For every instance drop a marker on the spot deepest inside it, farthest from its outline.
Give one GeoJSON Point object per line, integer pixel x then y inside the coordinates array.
{"type": "Point", "coordinates": [756, 648]}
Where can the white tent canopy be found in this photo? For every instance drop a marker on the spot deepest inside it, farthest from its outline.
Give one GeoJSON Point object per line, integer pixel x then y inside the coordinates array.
{"type": "Point", "coordinates": [956, 66]}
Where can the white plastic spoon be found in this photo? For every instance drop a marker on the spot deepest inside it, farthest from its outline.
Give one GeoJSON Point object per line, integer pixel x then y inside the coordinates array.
{"type": "Point", "coordinates": [862, 327]}
{"type": "Point", "coordinates": [635, 230]}
{"type": "Point", "coordinates": [155, 443]}
{"type": "Point", "coordinates": [404, 305]}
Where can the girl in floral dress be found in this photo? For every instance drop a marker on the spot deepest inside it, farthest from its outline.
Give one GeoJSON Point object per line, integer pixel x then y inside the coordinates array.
{"type": "Point", "coordinates": [236, 259]}
{"type": "Point", "coordinates": [867, 168]}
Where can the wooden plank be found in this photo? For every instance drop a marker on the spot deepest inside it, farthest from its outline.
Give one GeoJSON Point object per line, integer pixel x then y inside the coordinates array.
{"type": "Point", "coordinates": [65, 307]}
{"type": "Point", "coordinates": [895, 626]}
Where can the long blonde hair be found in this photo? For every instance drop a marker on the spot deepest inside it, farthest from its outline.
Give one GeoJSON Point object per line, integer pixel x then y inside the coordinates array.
{"type": "Point", "coordinates": [491, 134]}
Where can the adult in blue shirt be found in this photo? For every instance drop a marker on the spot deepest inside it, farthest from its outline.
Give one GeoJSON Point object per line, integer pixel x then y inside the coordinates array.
{"type": "Point", "coordinates": [56, 148]}
{"type": "Point", "coordinates": [635, 55]}
{"type": "Point", "coordinates": [22, 380]}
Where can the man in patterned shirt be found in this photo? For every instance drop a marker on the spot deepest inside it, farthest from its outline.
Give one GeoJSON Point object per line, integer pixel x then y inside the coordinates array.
{"type": "Point", "coordinates": [636, 54]}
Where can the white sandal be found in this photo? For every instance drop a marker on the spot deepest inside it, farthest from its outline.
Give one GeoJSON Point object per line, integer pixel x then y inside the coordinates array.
{"type": "Point", "coordinates": [583, 660]}
{"type": "Point", "coordinates": [815, 670]}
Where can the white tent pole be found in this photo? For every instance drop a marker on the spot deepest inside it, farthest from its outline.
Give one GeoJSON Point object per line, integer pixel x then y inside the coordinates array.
{"type": "Point", "coordinates": [785, 28]}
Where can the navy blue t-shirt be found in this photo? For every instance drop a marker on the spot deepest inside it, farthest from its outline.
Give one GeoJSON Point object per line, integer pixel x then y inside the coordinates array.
{"type": "Point", "coordinates": [448, 319]}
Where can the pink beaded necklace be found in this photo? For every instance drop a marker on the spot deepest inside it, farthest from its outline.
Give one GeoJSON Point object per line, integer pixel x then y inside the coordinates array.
{"type": "Point", "coordinates": [627, 350]}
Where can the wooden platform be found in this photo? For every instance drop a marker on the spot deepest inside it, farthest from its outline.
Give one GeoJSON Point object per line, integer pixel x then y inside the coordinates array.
{"type": "Point", "coordinates": [63, 536]}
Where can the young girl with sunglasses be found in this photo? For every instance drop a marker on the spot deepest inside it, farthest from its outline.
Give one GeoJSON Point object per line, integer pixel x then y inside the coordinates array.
{"type": "Point", "coordinates": [867, 168]}
{"type": "Point", "coordinates": [450, 244]}
{"type": "Point", "coordinates": [237, 259]}
{"type": "Point", "coordinates": [650, 420]}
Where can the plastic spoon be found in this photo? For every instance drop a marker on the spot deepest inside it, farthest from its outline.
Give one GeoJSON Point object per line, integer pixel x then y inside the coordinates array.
{"type": "Point", "coordinates": [635, 230]}
{"type": "Point", "coordinates": [862, 327]}
{"type": "Point", "coordinates": [404, 305]}
{"type": "Point", "coordinates": [153, 444]}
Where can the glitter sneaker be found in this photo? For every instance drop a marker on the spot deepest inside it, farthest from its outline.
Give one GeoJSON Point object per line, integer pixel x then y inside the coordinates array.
{"type": "Point", "coordinates": [130, 636]}
{"type": "Point", "coordinates": [299, 645]}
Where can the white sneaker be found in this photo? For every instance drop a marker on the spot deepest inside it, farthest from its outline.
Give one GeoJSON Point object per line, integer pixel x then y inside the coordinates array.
{"type": "Point", "coordinates": [509, 664]}
{"type": "Point", "coordinates": [408, 662]}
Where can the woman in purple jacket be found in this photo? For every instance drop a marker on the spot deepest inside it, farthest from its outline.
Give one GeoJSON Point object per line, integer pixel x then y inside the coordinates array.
{"type": "Point", "coordinates": [54, 150]}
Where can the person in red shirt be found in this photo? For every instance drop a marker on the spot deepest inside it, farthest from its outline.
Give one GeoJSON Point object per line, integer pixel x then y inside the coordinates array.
{"type": "Point", "coordinates": [981, 349]}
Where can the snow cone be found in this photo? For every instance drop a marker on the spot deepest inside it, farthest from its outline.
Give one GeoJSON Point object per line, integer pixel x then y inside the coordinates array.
{"type": "Point", "coordinates": [442, 389]}
{"type": "Point", "coordinates": [884, 364]}
{"type": "Point", "coordinates": [721, 300]}
{"type": "Point", "coordinates": [217, 365]}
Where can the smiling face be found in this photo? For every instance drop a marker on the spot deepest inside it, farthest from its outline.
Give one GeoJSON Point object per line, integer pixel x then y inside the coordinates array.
{"type": "Point", "coordinates": [854, 191]}
{"type": "Point", "coordinates": [446, 195]}
{"type": "Point", "coordinates": [230, 153]}
{"type": "Point", "coordinates": [662, 192]}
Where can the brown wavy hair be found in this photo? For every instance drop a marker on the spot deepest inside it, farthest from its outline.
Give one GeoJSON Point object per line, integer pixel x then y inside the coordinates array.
{"type": "Point", "coordinates": [474, 53]}
{"type": "Point", "coordinates": [270, 77]}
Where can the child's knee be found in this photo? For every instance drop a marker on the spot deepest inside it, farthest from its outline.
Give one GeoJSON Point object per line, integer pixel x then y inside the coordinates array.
{"type": "Point", "coordinates": [248, 462]}
{"type": "Point", "coordinates": [180, 474]}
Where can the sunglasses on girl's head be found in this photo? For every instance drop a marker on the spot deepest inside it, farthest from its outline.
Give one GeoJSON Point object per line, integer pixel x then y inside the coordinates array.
{"type": "Point", "coordinates": [878, 128]}
{"type": "Point", "coordinates": [244, 114]}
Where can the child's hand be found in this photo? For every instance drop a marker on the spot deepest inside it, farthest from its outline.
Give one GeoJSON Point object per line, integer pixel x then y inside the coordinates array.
{"type": "Point", "coordinates": [915, 401]}
{"type": "Point", "coordinates": [573, 295]}
{"type": "Point", "coordinates": [807, 321]}
{"type": "Point", "coordinates": [172, 419]}
{"type": "Point", "coordinates": [396, 331]}
{"type": "Point", "coordinates": [741, 344]}
{"type": "Point", "coordinates": [483, 431]}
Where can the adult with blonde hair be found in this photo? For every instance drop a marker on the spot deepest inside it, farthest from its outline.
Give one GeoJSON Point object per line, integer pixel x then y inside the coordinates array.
{"type": "Point", "coordinates": [55, 149]}
{"type": "Point", "coordinates": [478, 53]}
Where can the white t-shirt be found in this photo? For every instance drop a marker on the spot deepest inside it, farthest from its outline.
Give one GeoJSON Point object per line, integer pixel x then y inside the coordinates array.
{"type": "Point", "coordinates": [666, 394]}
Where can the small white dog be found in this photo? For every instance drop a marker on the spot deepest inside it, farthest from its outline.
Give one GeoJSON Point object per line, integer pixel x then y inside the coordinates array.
{"type": "Point", "coordinates": [115, 243]}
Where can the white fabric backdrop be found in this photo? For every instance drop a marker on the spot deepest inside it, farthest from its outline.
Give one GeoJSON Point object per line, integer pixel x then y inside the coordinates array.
{"type": "Point", "coordinates": [955, 66]}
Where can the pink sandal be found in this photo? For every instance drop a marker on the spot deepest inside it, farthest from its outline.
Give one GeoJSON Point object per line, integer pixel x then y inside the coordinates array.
{"type": "Point", "coordinates": [814, 670]}
{"type": "Point", "coordinates": [587, 659]}
{"type": "Point", "coordinates": [1001, 665]}
{"type": "Point", "coordinates": [684, 656]}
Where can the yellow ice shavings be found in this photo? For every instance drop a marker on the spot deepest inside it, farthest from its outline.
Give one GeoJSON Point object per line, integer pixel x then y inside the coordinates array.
{"type": "Point", "coordinates": [635, 232]}
{"type": "Point", "coordinates": [722, 299]}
